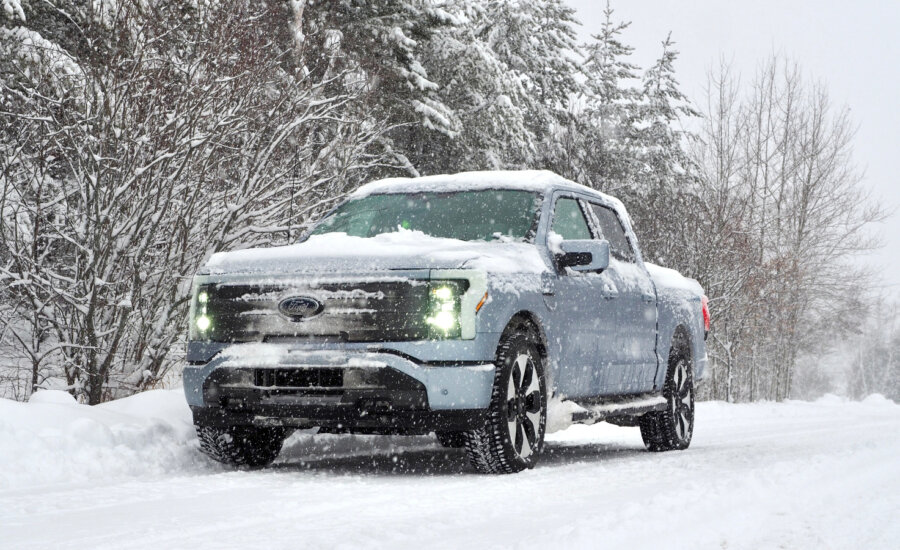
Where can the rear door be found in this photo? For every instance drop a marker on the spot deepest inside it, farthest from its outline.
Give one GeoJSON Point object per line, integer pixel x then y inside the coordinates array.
{"type": "Point", "coordinates": [635, 309]}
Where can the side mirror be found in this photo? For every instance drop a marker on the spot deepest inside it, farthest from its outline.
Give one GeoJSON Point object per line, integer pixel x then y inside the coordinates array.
{"type": "Point", "coordinates": [584, 255]}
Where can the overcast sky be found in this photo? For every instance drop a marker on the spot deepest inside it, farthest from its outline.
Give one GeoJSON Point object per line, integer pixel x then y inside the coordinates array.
{"type": "Point", "coordinates": [852, 47]}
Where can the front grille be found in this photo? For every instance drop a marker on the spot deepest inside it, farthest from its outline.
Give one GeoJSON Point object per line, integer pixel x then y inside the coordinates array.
{"type": "Point", "coordinates": [377, 311]}
{"type": "Point", "coordinates": [299, 378]}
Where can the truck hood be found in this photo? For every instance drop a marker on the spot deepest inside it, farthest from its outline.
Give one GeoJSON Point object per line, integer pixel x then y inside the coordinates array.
{"type": "Point", "coordinates": [403, 250]}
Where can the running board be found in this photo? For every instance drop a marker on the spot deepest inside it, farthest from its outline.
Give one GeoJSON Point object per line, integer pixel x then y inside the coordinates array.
{"type": "Point", "coordinates": [637, 405]}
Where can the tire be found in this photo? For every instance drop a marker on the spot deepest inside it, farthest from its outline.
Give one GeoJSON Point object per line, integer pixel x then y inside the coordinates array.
{"type": "Point", "coordinates": [241, 446]}
{"type": "Point", "coordinates": [451, 440]}
{"type": "Point", "coordinates": [512, 437]}
{"type": "Point", "coordinates": [672, 429]}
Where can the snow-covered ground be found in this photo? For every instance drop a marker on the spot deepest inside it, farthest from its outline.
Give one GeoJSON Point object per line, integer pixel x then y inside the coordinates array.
{"type": "Point", "coordinates": [128, 475]}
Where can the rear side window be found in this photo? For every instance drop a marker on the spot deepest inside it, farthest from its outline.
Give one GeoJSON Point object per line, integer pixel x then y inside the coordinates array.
{"type": "Point", "coordinates": [568, 220]}
{"type": "Point", "coordinates": [612, 231]}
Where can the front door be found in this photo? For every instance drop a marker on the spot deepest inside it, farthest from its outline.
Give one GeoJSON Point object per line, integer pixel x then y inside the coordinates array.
{"type": "Point", "coordinates": [583, 310]}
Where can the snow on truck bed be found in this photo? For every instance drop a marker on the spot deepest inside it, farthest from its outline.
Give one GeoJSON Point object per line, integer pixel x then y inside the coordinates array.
{"type": "Point", "coordinates": [128, 474]}
{"type": "Point", "coordinates": [663, 277]}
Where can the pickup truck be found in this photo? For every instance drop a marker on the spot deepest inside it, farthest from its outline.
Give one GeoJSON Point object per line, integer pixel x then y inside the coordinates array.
{"type": "Point", "coordinates": [465, 305]}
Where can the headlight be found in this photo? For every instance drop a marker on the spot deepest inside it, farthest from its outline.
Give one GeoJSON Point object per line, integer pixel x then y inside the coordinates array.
{"type": "Point", "coordinates": [457, 295]}
{"type": "Point", "coordinates": [201, 320]}
{"type": "Point", "coordinates": [443, 314]}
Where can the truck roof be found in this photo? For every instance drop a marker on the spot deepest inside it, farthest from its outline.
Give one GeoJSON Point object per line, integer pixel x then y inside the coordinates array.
{"type": "Point", "coordinates": [526, 180]}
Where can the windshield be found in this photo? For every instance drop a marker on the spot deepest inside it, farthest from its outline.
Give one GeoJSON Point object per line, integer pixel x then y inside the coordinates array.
{"type": "Point", "coordinates": [465, 215]}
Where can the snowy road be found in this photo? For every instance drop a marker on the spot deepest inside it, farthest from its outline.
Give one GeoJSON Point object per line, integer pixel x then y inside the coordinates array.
{"type": "Point", "coordinates": [794, 475]}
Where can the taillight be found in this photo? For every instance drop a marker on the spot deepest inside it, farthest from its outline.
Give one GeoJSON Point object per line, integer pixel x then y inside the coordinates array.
{"type": "Point", "coordinates": [705, 303]}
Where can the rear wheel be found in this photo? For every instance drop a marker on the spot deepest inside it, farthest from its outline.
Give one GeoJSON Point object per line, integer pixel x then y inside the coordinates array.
{"type": "Point", "coordinates": [513, 435]}
{"type": "Point", "coordinates": [673, 428]}
{"type": "Point", "coordinates": [241, 446]}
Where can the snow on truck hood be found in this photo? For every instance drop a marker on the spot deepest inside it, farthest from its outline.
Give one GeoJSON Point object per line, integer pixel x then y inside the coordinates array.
{"type": "Point", "coordinates": [388, 251]}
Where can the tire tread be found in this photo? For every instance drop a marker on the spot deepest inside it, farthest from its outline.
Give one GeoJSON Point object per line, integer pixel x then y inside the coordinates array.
{"type": "Point", "coordinates": [253, 448]}
{"type": "Point", "coordinates": [486, 447]}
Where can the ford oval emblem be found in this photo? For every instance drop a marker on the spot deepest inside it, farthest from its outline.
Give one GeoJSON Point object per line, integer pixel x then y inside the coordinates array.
{"type": "Point", "coordinates": [300, 307]}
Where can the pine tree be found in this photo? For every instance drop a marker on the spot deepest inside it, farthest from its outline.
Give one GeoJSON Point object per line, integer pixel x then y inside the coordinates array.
{"type": "Point", "coordinates": [505, 70]}
{"type": "Point", "coordinates": [536, 39]}
{"type": "Point", "coordinates": [379, 45]}
{"type": "Point", "coordinates": [663, 108]}
{"type": "Point", "coordinates": [662, 191]}
{"type": "Point", "coordinates": [487, 101]}
{"type": "Point", "coordinates": [611, 108]}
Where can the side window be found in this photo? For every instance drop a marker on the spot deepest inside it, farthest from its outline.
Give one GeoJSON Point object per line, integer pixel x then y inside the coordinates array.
{"type": "Point", "coordinates": [612, 231]}
{"type": "Point", "coordinates": [568, 220]}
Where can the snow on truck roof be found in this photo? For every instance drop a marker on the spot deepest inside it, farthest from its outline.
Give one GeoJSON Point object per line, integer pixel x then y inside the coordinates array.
{"type": "Point", "coordinates": [526, 180]}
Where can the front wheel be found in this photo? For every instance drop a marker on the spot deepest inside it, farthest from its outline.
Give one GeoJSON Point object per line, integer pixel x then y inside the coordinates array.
{"type": "Point", "coordinates": [241, 446]}
{"type": "Point", "coordinates": [673, 428]}
{"type": "Point", "coordinates": [513, 435]}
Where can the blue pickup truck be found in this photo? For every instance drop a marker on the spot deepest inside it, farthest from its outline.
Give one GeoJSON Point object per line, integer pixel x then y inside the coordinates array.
{"type": "Point", "coordinates": [465, 305]}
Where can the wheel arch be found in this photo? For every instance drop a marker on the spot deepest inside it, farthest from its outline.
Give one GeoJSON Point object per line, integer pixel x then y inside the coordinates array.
{"type": "Point", "coordinates": [680, 340]}
{"type": "Point", "coordinates": [527, 320]}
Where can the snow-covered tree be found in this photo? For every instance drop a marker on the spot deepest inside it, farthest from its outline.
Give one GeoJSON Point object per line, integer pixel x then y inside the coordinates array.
{"type": "Point", "coordinates": [122, 170]}
{"type": "Point", "coordinates": [137, 138]}
{"type": "Point", "coordinates": [875, 353]}
{"type": "Point", "coordinates": [379, 46]}
{"type": "Point", "coordinates": [780, 196]}
{"type": "Point", "coordinates": [663, 191]}
{"type": "Point", "coordinates": [610, 111]}
{"type": "Point", "coordinates": [505, 69]}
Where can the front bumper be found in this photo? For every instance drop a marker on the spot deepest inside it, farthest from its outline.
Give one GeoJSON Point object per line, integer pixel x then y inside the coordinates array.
{"type": "Point", "coordinates": [355, 420]}
{"type": "Point", "coordinates": [382, 392]}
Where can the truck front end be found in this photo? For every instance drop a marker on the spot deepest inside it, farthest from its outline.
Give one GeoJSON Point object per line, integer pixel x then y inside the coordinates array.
{"type": "Point", "coordinates": [387, 352]}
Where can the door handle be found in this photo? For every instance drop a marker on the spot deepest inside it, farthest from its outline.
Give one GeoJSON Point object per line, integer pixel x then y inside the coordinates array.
{"type": "Point", "coordinates": [608, 290]}
{"type": "Point", "coordinates": [548, 287]}
{"type": "Point", "coordinates": [648, 298]}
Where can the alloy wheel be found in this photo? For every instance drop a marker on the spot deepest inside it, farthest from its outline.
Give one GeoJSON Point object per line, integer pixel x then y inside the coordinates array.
{"type": "Point", "coordinates": [523, 406]}
{"type": "Point", "coordinates": [681, 401]}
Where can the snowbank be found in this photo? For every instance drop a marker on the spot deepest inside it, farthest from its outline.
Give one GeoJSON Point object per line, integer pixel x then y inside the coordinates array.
{"type": "Point", "coordinates": [54, 440]}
